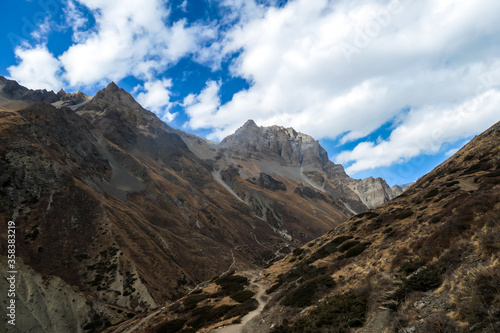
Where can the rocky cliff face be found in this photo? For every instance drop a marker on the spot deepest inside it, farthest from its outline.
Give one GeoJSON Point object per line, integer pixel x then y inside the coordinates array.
{"type": "Point", "coordinates": [373, 192]}
{"type": "Point", "coordinates": [283, 152]}
{"type": "Point", "coordinates": [275, 143]}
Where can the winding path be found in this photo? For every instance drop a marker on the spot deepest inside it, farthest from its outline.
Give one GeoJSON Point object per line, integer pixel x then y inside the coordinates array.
{"type": "Point", "coordinates": [261, 297]}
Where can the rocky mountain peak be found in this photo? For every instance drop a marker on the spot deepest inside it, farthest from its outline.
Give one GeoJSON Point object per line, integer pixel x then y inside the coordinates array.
{"type": "Point", "coordinates": [111, 91]}
{"type": "Point", "coordinates": [286, 145]}
{"type": "Point", "coordinates": [113, 97]}
{"type": "Point", "coordinates": [112, 87]}
{"type": "Point", "coordinates": [249, 123]}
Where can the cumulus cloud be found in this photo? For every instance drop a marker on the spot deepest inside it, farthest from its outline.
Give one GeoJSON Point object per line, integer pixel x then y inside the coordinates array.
{"type": "Point", "coordinates": [155, 95]}
{"type": "Point", "coordinates": [422, 56]}
{"type": "Point", "coordinates": [129, 38]}
{"type": "Point", "coordinates": [424, 131]}
{"type": "Point", "coordinates": [201, 108]}
{"type": "Point", "coordinates": [38, 68]}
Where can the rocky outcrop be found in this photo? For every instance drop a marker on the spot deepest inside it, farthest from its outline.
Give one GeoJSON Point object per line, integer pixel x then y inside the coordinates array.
{"type": "Point", "coordinates": [373, 192]}
{"type": "Point", "coordinates": [281, 150]}
{"type": "Point", "coordinates": [276, 143]}
{"type": "Point", "coordinates": [48, 304]}
{"type": "Point", "coordinates": [266, 181]}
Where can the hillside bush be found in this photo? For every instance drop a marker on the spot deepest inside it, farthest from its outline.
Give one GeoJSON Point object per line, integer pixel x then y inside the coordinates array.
{"type": "Point", "coordinates": [337, 314]}
{"type": "Point", "coordinates": [305, 294]}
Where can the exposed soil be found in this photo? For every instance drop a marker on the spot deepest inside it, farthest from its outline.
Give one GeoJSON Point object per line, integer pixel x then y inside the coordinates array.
{"type": "Point", "coordinates": [245, 324]}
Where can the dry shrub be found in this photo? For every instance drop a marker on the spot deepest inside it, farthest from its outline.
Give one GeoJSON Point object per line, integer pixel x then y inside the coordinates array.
{"type": "Point", "coordinates": [374, 287]}
{"type": "Point", "coordinates": [411, 265]}
{"type": "Point", "coordinates": [305, 294]}
{"type": "Point", "coordinates": [452, 258]}
{"type": "Point", "coordinates": [171, 326]}
{"type": "Point", "coordinates": [336, 314]}
{"type": "Point", "coordinates": [477, 299]}
{"type": "Point", "coordinates": [400, 257]}
{"type": "Point", "coordinates": [426, 278]}
{"type": "Point", "coordinates": [489, 241]}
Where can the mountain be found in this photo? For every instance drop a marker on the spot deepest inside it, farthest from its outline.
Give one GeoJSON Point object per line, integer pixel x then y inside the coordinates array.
{"type": "Point", "coordinates": [117, 213]}
{"type": "Point", "coordinates": [13, 95]}
{"type": "Point", "coordinates": [286, 153]}
{"type": "Point", "coordinates": [427, 261]}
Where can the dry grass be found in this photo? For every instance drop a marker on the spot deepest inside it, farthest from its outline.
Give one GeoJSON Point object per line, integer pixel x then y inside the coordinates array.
{"type": "Point", "coordinates": [476, 296]}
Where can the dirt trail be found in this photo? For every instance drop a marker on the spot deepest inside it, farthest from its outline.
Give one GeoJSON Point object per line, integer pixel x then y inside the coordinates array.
{"type": "Point", "coordinates": [377, 323]}
{"type": "Point", "coordinates": [260, 296]}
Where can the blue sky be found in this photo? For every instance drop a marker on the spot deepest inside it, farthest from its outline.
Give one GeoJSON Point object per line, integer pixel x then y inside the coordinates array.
{"type": "Point", "coordinates": [391, 88]}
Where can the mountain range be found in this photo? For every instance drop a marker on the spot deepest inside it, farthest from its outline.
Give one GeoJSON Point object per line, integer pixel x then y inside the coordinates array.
{"type": "Point", "coordinates": [426, 261]}
{"type": "Point", "coordinates": [124, 223]}
{"type": "Point", "coordinates": [118, 213]}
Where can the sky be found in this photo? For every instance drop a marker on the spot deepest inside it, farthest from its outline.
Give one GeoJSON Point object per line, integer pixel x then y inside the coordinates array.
{"type": "Point", "coordinates": [390, 88]}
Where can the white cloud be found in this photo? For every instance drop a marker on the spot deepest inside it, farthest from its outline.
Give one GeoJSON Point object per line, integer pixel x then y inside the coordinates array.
{"type": "Point", "coordinates": [424, 131]}
{"type": "Point", "coordinates": [76, 20]}
{"type": "Point", "coordinates": [124, 34]}
{"type": "Point", "coordinates": [200, 108]}
{"type": "Point", "coordinates": [155, 95]}
{"type": "Point", "coordinates": [38, 68]}
{"type": "Point", "coordinates": [42, 30]}
{"type": "Point", "coordinates": [423, 55]}
{"type": "Point", "coordinates": [129, 38]}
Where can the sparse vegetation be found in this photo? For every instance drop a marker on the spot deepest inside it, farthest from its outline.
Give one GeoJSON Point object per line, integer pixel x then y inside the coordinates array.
{"type": "Point", "coordinates": [274, 287]}
{"type": "Point", "coordinates": [431, 193]}
{"type": "Point", "coordinates": [478, 299]}
{"type": "Point", "coordinates": [356, 250]}
{"type": "Point", "coordinates": [305, 294]}
{"type": "Point", "coordinates": [411, 265]}
{"type": "Point", "coordinates": [424, 279]}
{"type": "Point", "coordinates": [242, 296]}
{"type": "Point", "coordinates": [220, 311]}
{"type": "Point", "coordinates": [171, 326]}
{"type": "Point", "coordinates": [231, 284]}
{"type": "Point", "coordinates": [337, 314]}
{"type": "Point", "coordinates": [405, 214]}
{"type": "Point", "coordinates": [347, 245]}
{"type": "Point", "coordinates": [369, 215]}
{"type": "Point", "coordinates": [191, 301]}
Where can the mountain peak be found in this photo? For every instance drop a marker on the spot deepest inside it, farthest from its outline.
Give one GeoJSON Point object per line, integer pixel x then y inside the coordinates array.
{"type": "Point", "coordinates": [114, 94]}
{"type": "Point", "coordinates": [250, 123]}
{"type": "Point", "coordinates": [112, 87]}
{"type": "Point", "coordinates": [285, 145]}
